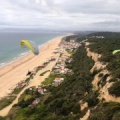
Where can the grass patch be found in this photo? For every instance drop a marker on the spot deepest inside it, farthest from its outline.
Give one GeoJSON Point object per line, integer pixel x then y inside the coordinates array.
{"type": "Point", "coordinates": [115, 89]}
{"type": "Point", "coordinates": [6, 101]}
{"type": "Point", "coordinates": [25, 97]}
{"type": "Point", "coordinates": [29, 78]}
{"type": "Point", "coordinates": [50, 79]}
{"type": "Point", "coordinates": [44, 72]}
{"type": "Point", "coordinates": [17, 91]}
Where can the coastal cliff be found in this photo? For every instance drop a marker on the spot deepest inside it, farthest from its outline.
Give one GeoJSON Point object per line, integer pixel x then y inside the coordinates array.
{"type": "Point", "coordinates": [103, 82]}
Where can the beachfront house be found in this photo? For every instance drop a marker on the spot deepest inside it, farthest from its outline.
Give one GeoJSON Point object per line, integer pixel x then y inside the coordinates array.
{"type": "Point", "coordinates": [61, 70]}
{"type": "Point", "coordinates": [62, 63]}
{"type": "Point", "coordinates": [36, 101]}
{"type": "Point", "coordinates": [58, 81]}
{"type": "Point", "coordinates": [97, 37]}
{"type": "Point", "coordinates": [42, 90]}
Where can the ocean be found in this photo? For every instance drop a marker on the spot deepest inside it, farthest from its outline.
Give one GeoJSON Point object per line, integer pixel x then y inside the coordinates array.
{"type": "Point", "coordinates": [10, 49]}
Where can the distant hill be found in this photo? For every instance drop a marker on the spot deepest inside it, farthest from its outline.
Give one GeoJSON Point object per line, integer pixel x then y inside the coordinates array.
{"type": "Point", "coordinates": [106, 34]}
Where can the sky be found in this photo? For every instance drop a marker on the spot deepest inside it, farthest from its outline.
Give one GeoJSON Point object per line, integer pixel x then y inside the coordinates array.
{"type": "Point", "coordinates": [103, 15]}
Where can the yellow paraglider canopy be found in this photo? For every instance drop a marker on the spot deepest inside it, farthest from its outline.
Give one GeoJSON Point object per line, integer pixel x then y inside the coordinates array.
{"type": "Point", "coordinates": [31, 45]}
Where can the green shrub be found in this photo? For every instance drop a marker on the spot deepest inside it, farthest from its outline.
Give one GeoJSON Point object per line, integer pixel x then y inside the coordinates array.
{"type": "Point", "coordinates": [115, 89]}
{"type": "Point", "coordinates": [2, 118]}
{"type": "Point", "coordinates": [116, 116]}
{"type": "Point", "coordinates": [95, 72]}
{"type": "Point", "coordinates": [113, 80]}
{"type": "Point", "coordinates": [103, 79]}
{"type": "Point", "coordinates": [44, 72]}
{"type": "Point", "coordinates": [105, 111]}
{"type": "Point", "coordinates": [6, 101]}
{"type": "Point", "coordinates": [100, 75]}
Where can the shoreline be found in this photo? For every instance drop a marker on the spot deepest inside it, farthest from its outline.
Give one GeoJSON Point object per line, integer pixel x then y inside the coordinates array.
{"type": "Point", "coordinates": [15, 72]}
{"type": "Point", "coordinates": [21, 55]}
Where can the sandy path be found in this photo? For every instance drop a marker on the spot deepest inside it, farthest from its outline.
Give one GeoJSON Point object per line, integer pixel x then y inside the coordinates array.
{"type": "Point", "coordinates": [85, 117]}
{"type": "Point", "coordinates": [16, 72]}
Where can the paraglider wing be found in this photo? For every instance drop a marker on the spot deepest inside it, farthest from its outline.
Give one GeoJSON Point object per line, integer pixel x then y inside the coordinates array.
{"type": "Point", "coordinates": [115, 51]}
{"type": "Point", "coordinates": [31, 45]}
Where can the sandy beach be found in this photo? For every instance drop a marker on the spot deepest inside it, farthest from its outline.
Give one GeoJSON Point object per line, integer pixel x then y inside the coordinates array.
{"type": "Point", "coordinates": [15, 72]}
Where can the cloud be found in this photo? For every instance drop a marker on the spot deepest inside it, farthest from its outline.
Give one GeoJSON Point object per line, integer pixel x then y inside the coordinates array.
{"type": "Point", "coordinates": [61, 14]}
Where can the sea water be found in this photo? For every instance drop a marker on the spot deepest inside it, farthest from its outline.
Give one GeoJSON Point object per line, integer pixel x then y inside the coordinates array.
{"type": "Point", "coordinates": [10, 49]}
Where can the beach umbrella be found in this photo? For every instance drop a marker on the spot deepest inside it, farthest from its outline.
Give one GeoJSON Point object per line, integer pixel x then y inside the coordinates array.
{"type": "Point", "coordinates": [31, 45]}
{"type": "Point", "coordinates": [115, 51]}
